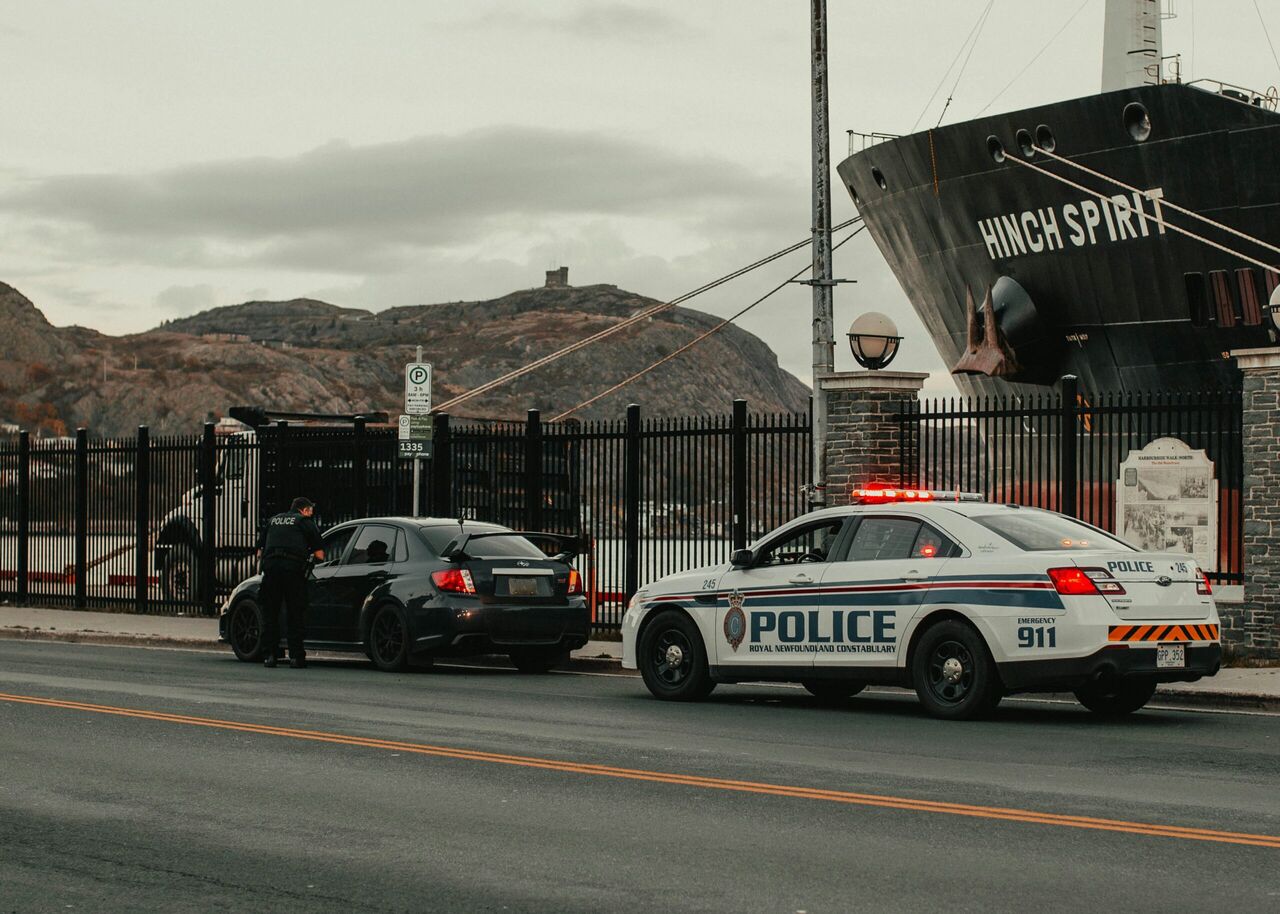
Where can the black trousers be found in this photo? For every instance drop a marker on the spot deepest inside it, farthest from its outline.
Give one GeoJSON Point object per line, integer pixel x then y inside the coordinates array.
{"type": "Point", "coordinates": [286, 585]}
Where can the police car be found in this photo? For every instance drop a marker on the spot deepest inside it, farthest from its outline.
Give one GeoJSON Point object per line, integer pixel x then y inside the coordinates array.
{"type": "Point", "coordinates": [963, 600]}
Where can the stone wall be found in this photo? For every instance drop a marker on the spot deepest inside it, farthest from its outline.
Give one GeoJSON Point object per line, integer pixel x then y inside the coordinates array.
{"type": "Point", "coordinates": [1257, 634]}
{"type": "Point", "coordinates": [862, 434]}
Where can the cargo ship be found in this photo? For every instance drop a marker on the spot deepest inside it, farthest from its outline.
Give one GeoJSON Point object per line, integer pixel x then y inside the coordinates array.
{"type": "Point", "coordinates": [1021, 278]}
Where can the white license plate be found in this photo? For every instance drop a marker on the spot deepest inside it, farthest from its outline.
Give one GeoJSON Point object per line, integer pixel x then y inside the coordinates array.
{"type": "Point", "coordinates": [522, 587]}
{"type": "Point", "coordinates": [1171, 656]}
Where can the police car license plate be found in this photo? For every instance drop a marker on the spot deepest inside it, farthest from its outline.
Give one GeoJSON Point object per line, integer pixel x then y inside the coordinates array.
{"type": "Point", "coordinates": [522, 587]}
{"type": "Point", "coordinates": [1171, 656]}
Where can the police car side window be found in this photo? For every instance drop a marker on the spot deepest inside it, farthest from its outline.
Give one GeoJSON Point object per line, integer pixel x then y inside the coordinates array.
{"type": "Point", "coordinates": [881, 538]}
{"type": "Point", "coordinates": [808, 544]}
{"type": "Point", "coordinates": [930, 544]}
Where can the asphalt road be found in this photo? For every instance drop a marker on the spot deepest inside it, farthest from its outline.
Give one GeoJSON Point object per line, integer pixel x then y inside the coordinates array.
{"type": "Point", "coordinates": [160, 780]}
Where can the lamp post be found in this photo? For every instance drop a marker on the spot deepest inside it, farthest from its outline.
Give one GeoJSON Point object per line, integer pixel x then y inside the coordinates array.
{"type": "Point", "coordinates": [1273, 311]}
{"type": "Point", "coordinates": [874, 340]}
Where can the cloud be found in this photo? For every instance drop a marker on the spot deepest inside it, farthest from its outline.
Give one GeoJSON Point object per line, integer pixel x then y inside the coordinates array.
{"type": "Point", "coordinates": [180, 301]}
{"type": "Point", "coordinates": [348, 209]}
{"type": "Point", "coordinates": [596, 21]}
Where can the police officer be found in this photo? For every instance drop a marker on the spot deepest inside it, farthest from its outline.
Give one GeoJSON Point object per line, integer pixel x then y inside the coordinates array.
{"type": "Point", "coordinates": [287, 542]}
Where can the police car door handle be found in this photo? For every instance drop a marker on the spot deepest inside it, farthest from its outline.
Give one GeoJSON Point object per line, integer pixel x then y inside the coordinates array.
{"type": "Point", "coordinates": [801, 579]}
{"type": "Point", "coordinates": [914, 575]}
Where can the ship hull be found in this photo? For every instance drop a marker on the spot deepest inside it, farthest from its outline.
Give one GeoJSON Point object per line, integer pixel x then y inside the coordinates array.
{"type": "Point", "coordinates": [1112, 286]}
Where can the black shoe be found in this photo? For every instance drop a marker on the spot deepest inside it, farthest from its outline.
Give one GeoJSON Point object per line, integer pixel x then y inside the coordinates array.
{"type": "Point", "coordinates": [270, 662]}
{"type": "Point", "coordinates": [297, 663]}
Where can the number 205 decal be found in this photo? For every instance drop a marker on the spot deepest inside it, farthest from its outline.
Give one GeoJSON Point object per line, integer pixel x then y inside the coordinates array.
{"type": "Point", "coordinates": [1037, 636]}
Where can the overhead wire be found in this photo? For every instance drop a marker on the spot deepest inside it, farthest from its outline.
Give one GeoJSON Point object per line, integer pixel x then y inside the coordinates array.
{"type": "Point", "coordinates": [947, 72]}
{"type": "Point", "coordinates": [972, 47]}
{"type": "Point", "coordinates": [1270, 43]}
{"type": "Point", "coordinates": [640, 316]}
{"type": "Point", "coordinates": [698, 339]}
{"type": "Point", "coordinates": [1161, 222]}
{"type": "Point", "coordinates": [1031, 63]}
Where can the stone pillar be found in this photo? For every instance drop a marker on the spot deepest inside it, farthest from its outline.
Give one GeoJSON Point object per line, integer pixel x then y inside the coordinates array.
{"type": "Point", "coordinates": [1260, 620]}
{"type": "Point", "coordinates": [862, 431]}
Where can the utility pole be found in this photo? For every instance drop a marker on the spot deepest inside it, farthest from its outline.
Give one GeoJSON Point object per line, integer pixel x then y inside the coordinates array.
{"type": "Point", "coordinates": [824, 347]}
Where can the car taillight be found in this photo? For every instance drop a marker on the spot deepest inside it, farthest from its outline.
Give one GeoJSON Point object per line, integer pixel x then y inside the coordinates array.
{"type": "Point", "coordinates": [454, 580]}
{"type": "Point", "coordinates": [575, 582]}
{"type": "Point", "coordinates": [1073, 582]}
{"type": "Point", "coordinates": [1104, 580]}
{"type": "Point", "coordinates": [1202, 585]}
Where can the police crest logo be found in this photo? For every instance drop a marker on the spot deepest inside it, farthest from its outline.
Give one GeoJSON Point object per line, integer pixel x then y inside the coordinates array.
{"type": "Point", "coordinates": [735, 621]}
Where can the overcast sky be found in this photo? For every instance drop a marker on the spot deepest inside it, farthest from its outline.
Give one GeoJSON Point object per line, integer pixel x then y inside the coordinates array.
{"type": "Point", "coordinates": [162, 158]}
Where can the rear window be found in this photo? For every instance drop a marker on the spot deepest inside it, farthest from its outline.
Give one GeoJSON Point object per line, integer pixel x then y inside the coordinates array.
{"type": "Point", "coordinates": [439, 538]}
{"type": "Point", "coordinates": [1040, 531]}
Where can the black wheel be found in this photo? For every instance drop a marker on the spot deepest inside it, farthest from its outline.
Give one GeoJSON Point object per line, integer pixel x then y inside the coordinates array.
{"type": "Point", "coordinates": [672, 659]}
{"type": "Point", "coordinates": [953, 672]}
{"type": "Point", "coordinates": [244, 631]}
{"type": "Point", "coordinates": [389, 640]}
{"type": "Point", "coordinates": [539, 659]}
{"type": "Point", "coordinates": [180, 574]}
{"type": "Point", "coordinates": [833, 690]}
{"type": "Point", "coordinates": [1116, 698]}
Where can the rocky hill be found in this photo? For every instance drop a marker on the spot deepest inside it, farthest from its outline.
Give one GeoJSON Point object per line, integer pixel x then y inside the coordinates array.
{"type": "Point", "coordinates": [308, 355]}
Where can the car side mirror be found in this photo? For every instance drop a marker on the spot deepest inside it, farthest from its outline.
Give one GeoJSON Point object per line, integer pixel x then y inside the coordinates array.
{"type": "Point", "coordinates": [741, 558]}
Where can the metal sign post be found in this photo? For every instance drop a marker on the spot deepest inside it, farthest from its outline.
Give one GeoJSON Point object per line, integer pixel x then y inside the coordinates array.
{"type": "Point", "coordinates": [415, 424]}
{"type": "Point", "coordinates": [823, 338]}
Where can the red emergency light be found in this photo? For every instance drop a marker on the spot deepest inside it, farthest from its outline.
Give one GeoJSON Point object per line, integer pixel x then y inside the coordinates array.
{"type": "Point", "coordinates": [876, 495]}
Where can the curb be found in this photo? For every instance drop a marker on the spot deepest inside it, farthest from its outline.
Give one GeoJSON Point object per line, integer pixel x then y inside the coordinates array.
{"type": "Point", "coordinates": [1223, 701]}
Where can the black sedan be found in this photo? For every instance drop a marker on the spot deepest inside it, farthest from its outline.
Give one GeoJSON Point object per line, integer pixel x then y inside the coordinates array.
{"type": "Point", "coordinates": [411, 589]}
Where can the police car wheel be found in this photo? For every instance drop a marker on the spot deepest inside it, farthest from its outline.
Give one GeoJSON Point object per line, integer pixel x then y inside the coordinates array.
{"type": "Point", "coordinates": [832, 689]}
{"type": "Point", "coordinates": [389, 640]}
{"type": "Point", "coordinates": [538, 659]}
{"type": "Point", "coordinates": [673, 661]}
{"type": "Point", "coordinates": [953, 672]}
{"type": "Point", "coordinates": [1116, 698]}
{"type": "Point", "coordinates": [244, 631]}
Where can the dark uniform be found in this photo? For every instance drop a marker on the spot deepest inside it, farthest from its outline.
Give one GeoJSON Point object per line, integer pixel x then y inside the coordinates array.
{"type": "Point", "coordinates": [288, 541]}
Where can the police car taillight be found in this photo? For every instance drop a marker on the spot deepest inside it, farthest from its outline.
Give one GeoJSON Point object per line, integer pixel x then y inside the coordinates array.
{"type": "Point", "coordinates": [1084, 582]}
{"type": "Point", "coordinates": [453, 580]}
{"type": "Point", "coordinates": [1202, 585]}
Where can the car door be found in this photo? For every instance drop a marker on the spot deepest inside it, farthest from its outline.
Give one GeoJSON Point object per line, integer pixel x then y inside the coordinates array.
{"type": "Point", "coordinates": [768, 609]}
{"type": "Point", "coordinates": [377, 552]}
{"type": "Point", "coordinates": [322, 618]}
{"type": "Point", "coordinates": [871, 593]}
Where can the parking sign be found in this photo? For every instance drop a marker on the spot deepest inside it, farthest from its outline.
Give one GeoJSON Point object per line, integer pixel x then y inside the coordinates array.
{"type": "Point", "coordinates": [417, 388]}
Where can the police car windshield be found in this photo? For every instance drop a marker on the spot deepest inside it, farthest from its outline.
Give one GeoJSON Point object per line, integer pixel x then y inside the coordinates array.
{"type": "Point", "coordinates": [439, 537]}
{"type": "Point", "coordinates": [1040, 531]}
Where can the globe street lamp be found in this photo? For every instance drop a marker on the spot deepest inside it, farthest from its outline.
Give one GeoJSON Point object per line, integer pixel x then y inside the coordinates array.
{"type": "Point", "coordinates": [874, 340]}
{"type": "Point", "coordinates": [1273, 311]}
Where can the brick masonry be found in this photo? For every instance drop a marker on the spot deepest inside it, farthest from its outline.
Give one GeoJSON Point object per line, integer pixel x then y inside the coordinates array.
{"type": "Point", "coordinates": [1254, 629]}
{"type": "Point", "coordinates": [862, 434]}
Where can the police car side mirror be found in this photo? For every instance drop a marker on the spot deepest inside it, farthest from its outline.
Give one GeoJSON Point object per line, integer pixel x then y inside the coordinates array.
{"type": "Point", "coordinates": [741, 558]}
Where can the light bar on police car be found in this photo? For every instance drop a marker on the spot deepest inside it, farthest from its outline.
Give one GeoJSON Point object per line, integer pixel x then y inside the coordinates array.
{"type": "Point", "coordinates": [878, 495]}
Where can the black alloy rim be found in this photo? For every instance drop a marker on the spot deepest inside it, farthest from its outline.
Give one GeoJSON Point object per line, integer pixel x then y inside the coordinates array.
{"type": "Point", "coordinates": [945, 685]}
{"type": "Point", "coordinates": [245, 629]}
{"type": "Point", "coordinates": [388, 636]}
{"type": "Point", "coordinates": [672, 667]}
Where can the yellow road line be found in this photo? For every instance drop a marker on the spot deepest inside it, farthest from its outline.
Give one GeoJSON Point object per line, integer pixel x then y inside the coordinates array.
{"type": "Point", "coordinates": [675, 779]}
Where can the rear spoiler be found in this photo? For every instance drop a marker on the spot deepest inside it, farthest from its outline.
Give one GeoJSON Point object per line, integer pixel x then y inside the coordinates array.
{"type": "Point", "coordinates": [456, 551]}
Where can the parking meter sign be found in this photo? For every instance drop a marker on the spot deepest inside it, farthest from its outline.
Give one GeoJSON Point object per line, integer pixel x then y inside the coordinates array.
{"type": "Point", "coordinates": [417, 388]}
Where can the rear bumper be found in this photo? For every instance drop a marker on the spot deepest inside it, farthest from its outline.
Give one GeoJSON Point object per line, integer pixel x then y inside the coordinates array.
{"type": "Point", "coordinates": [1112, 662]}
{"type": "Point", "coordinates": [478, 628]}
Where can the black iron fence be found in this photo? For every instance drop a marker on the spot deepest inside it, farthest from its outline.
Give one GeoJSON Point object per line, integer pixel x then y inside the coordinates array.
{"type": "Point", "coordinates": [1064, 451]}
{"type": "Point", "coordinates": [168, 525]}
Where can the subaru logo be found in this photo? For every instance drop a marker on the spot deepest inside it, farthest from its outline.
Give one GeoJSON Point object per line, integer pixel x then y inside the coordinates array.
{"type": "Point", "coordinates": [1164, 580]}
{"type": "Point", "coordinates": [523, 564]}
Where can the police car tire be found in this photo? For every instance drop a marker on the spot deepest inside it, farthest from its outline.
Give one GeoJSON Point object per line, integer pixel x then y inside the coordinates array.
{"type": "Point", "coordinates": [389, 640]}
{"type": "Point", "coordinates": [691, 679]}
{"type": "Point", "coordinates": [535, 660]}
{"type": "Point", "coordinates": [833, 690]}
{"type": "Point", "coordinates": [1116, 699]}
{"type": "Point", "coordinates": [246, 618]}
{"type": "Point", "coordinates": [979, 688]}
